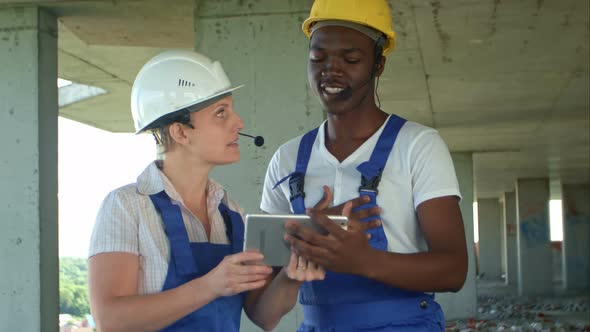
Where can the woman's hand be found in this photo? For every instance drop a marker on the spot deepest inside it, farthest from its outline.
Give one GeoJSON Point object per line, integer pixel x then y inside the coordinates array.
{"type": "Point", "coordinates": [301, 269]}
{"type": "Point", "coordinates": [238, 273]}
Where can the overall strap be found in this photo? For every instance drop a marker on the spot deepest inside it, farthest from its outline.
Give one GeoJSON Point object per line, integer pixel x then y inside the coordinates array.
{"type": "Point", "coordinates": [180, 250]}
{"type": "Point", "coordinates": [372, 169]}
{"type": "Point", "coordinates": [297, 178]}
{"type": "Point", "coordinates": [234, 227]}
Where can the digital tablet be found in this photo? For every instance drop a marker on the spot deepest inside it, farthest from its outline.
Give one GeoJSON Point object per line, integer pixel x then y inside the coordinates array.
{"type": "Point", "coordinates": [265, 232]}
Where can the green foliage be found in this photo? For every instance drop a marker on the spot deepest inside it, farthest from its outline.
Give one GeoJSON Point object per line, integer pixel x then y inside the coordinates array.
{"type": "Point", "coordinates": [73, 286]}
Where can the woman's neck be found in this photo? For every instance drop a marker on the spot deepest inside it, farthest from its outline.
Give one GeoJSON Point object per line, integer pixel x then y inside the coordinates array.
{"type": "Point", "coordinates": [189, 177]}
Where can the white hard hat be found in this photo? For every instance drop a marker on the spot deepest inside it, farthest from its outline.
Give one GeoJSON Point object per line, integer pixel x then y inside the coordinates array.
{"type": "Point", "coordinates": [172, 81]}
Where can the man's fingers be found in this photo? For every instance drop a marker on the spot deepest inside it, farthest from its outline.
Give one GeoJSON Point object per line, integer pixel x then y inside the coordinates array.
{"type": "Point", "coordinates": [327, 197]}
{"type": "Point", "coordinates": [362, 200]}
{"type": "Point", "coordinates": [365, 213]}
{"type": "Point", "coordinates": [297, 230]}
{"type": "Point", "coordinates": [312, 253]}
{"type": "Point", "coordinates": [346, 209]}
{"type": "Point", "coordinates": [331, 227]}
{"type": "Point", "coordinates": [355, 225]}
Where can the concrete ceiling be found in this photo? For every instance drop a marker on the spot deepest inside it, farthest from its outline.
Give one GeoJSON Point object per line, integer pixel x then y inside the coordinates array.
{"type": "Point", "coordinates": [507, 80]}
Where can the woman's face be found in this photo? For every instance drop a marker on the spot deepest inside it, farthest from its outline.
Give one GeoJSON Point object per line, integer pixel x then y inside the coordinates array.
{"type": "Point", "coordinates": [340, 68]}
{"type": "Point", "coordinates": [214, 138]}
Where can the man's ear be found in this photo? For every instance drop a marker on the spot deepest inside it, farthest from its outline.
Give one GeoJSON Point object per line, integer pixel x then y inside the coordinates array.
{"type": "Point", "coordinates": [380, 66]}
{"type": "Point", "coordinates": [178, 133]}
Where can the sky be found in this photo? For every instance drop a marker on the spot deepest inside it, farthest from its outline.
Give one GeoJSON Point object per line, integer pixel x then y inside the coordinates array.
{"type": "Point", "coordinates": [91, 163]}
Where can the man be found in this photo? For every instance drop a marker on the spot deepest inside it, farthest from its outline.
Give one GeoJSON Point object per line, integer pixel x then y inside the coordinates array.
{"type": "Point", "coordinates": [381, 283]}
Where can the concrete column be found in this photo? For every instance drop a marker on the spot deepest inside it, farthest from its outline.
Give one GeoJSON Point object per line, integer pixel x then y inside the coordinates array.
{"type": "Point", "coordinates": [463, 304]}
{"type": "Point", "coordinates": [260, 44]}
{"type": "Point", "coordinates": [503, 254]}
{"type": "Point", "coordinates": [576, 236]}
{"type": "Point", "coordinates": [29, 298]}
{"type": "Point", "coordinates": [510, 237]}
{"type": "Point", "coordinates": [535, 269]}
{"type": "Point", "coordinates": [490, 225]}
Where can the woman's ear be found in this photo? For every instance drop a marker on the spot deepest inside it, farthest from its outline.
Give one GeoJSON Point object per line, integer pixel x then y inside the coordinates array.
{"type": "Point", "coordinates": [380, 66]}
{"type": "Point", "coordinates": [178, 133]}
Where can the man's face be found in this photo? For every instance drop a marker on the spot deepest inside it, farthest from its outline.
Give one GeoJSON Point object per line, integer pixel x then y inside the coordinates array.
{"type": "Point", "coordinates": [340, 68]}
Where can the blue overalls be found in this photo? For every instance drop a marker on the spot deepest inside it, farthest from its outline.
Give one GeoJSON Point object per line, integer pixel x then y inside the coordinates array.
{"type": "Point", "coordinates": [193, 260]}
{"type": "Point", "coordinates": [344, 302]}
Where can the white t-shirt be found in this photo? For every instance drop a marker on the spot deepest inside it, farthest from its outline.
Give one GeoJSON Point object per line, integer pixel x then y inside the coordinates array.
{"type": "Point", "coordinates": [418, 169]}
{"type": "Point", "coordinates": [129, 222]}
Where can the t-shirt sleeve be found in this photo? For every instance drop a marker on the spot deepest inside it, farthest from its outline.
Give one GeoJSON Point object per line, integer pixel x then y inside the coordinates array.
{"type": "Point", "coordinates": [274, 199]}
{"type": "Point", "coordinates": [116, 227]}
{"type": "Point", "coordinates": [432, 169]}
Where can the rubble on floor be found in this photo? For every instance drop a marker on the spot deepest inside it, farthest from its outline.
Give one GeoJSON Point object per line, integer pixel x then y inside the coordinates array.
{"type": "Point", "coordinates": [524, 314]}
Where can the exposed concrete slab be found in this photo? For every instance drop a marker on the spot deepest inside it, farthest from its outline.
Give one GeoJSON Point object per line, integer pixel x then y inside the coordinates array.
{"type": "Point", "coordinates": [492, 76]}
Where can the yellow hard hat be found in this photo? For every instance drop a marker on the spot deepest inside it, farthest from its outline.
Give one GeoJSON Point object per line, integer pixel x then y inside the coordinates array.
{"type": "Point", "coordinates": [371, 13]}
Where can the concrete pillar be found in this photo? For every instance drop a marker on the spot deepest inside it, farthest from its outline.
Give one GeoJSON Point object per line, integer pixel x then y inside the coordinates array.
{"type": "Point", "coordinates": [503, 254]}
{"type": "Point", "coordinates": [535, 269]}
{"type": "Point", "coordinates": [260, 44]}
{"type": "Point", "coordinates": [490, 225]}
{"type": "Point", "coordinates": [29, 298]}
{"type": "Point", "coordinates": [509, 212]}
{"type": "Point", "coordinates": [463, 304]}
{"type": "Point", "coordinates": [576, 236]}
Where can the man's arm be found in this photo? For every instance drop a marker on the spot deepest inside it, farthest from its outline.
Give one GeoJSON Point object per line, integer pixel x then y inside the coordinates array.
{"type": "Point", "coordinates": [443, 268]}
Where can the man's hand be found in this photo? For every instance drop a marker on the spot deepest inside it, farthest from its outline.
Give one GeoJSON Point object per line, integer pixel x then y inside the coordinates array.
{"type": "Point", "coordinates": [353, 217]}
{"type": "Point", "coordinates": [340, 250]}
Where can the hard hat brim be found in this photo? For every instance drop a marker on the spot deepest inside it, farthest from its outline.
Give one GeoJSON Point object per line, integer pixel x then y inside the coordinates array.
{"type": "Point", "coordinates": [389, 45]}
{"type": "Point", "coordinates": [201, 103]}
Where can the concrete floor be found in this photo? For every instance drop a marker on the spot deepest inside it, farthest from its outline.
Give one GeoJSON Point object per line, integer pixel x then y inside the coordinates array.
{"type": "Point", "coordinates": [500, 309]}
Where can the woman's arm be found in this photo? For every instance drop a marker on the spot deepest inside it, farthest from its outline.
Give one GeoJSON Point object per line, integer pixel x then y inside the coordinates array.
{"type": "Point", "coordinates": [116, 306]}
{"type": "Point", "coordinates": [265, 307]}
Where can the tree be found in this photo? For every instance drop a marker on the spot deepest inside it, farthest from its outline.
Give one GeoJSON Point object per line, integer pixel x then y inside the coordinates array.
{"type": "Point", "coordinates": [73, 286]}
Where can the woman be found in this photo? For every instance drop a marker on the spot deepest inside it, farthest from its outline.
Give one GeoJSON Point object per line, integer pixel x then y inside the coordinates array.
{"type": "Point", "coordinates": [165, 253]}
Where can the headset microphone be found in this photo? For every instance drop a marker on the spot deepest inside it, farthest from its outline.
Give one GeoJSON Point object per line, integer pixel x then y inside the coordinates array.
{"type": "Point", "coordinates": [258, 140]}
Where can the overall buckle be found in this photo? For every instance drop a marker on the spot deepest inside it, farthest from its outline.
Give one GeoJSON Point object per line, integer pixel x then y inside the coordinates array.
{"type": "Point", "coordinates": [372, 183]}
{"type": "Point", "coordinates": [296, 186]}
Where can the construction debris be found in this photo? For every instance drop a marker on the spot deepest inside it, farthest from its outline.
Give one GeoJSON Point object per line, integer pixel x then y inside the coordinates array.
{"type": "Point", "coordinates": [524, 314]}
